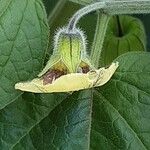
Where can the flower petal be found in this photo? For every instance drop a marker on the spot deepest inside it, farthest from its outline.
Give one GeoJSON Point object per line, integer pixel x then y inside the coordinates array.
{"type": "Point", "coordinates": [70, 82]}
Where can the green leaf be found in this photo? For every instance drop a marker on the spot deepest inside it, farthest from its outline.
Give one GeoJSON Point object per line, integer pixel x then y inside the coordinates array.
{"type": "Point", "coordinates": [23, 41]}
{"type": "Point", "coordinates": [19, 117]}
{"type": "Point", "coordinates": [121, 108]}
{"type": "Point", "coordinates": [66, 127]}
{"type": "Point", "coordinates": [124, 34]}
{"type": "Point", "coordinates": [120, 114]}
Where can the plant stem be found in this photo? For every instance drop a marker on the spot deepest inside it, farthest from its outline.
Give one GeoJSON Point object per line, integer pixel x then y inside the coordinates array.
{"type": "Point", "coordinates": [101, 27]}
{"type": "Point", "coordinates": [111, 8]}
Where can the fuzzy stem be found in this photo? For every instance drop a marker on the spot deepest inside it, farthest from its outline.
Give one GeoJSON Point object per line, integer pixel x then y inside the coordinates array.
{"type": "Point", "coordinates": [111, 8]}
{"type": "Point", "coordinates": [82, 12]}
{"type": "Point", "coordinates": [101, 27]}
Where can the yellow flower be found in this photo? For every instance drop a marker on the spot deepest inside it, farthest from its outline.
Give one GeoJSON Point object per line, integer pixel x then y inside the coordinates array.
{"type": "Point", "coordinates": [70, 82]}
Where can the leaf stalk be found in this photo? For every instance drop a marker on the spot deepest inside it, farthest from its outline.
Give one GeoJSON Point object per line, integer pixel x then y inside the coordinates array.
{"type": "Point", "coordinates": [101, 27]}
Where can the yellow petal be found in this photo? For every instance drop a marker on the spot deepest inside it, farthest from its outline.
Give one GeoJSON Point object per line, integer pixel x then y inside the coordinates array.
{"type": "Point", "coordinates": [104, 75]}
{"type": "Point", "coordinates": [70, 82]}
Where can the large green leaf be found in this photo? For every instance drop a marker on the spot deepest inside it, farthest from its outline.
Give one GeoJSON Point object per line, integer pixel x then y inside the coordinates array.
{"type": "Point", "coordinates": [120, 114]}
{"type": "Point", "coordinates": [121, 108]}
{"type": "Point", "coordinates": [19, 117]}
{"type": "Point", "coordinates": [67, 127]}
{"type": "Point", "coordinates": [23, 41]}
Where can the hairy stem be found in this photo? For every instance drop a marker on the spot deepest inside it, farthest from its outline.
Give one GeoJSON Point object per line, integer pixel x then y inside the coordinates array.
{"type": "Point", "coordinates": [111, 8]}
{"type": "Point", "coordinates": [101, 27]}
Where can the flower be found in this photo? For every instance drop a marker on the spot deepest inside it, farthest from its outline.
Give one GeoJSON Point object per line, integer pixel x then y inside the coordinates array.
{"type": "Point", "coordinates": [70, 82]}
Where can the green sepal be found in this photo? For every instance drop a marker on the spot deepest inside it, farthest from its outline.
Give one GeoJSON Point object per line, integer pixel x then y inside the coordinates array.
{"type": "Point", "coordinates": [69, 53]}
{"type": "Point", "coordinates": [54, 59]}
{"type": "Point", "coordinates": [86, 62]}
{"type": "Point", "coordinates": [70, 47]}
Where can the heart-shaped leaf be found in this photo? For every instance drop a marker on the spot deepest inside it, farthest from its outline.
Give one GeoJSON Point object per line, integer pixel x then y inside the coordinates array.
{"type": "Point", "coordinates": [121, 108]}
{"type": "Point", "coordinates": [120, 114]}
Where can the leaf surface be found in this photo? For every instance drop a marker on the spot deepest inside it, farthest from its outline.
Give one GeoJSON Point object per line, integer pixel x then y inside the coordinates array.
{"type": "Point", "coordinates": [20, 117]}
{"type": "Point", "coordinates": [23, 41]}
{"type": "Point", "coordinates": [66, 127]}
{"type": "Point", "coordinates": [121, 108]}
{"type": "Point", "coordinates": [120, 114]}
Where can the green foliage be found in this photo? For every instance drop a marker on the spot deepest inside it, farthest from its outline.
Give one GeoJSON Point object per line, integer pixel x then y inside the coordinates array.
{"type": "Point", "coordinates": [112, 117]}
{"type": "Point", "coordinates": [120, 117]}
{"type": "Point", "coordinates": [23, 42]}
{"type": "Point", "coordinates": [124, 34]}
{"type": "Point", "coordinates": [66, 127]}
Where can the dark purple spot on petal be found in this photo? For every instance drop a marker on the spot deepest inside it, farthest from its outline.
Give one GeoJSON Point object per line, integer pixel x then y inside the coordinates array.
{"type": "Point", "coordinates": [52, 75]}
{"type": "Point", "coordinates": [85, 69]}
